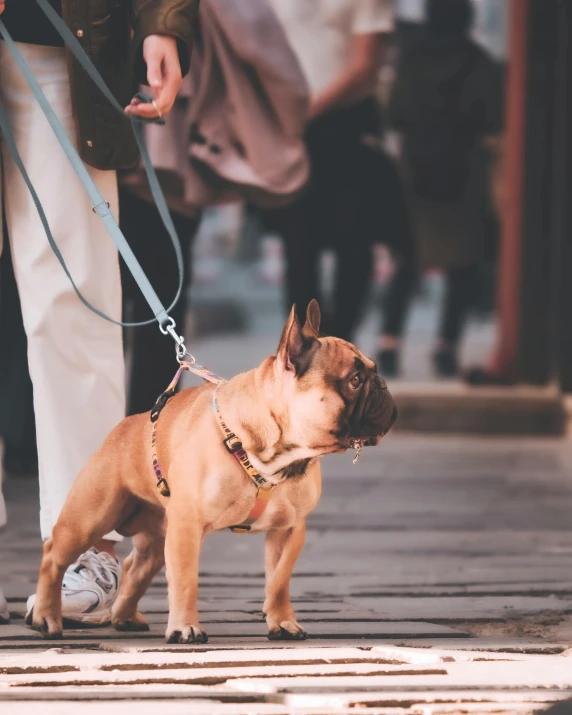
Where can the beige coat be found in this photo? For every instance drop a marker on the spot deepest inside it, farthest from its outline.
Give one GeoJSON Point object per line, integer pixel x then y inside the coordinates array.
{"type": "Point", "coordinates": [237, 129]}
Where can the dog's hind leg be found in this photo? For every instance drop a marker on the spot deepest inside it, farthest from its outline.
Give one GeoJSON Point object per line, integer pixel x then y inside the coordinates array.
{"type": "Point", "coordinates": [282, 548]}
{"type": "Point", "coordinates": [93, 508]}
{"type": "Point", "coordinates": [139, 568]}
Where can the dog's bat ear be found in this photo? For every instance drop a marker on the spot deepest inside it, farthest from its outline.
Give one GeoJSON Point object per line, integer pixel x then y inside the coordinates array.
{"type": "Point", "coordinates": [294, 345]}
{"type": "Point", "coordinates": [311, 327]}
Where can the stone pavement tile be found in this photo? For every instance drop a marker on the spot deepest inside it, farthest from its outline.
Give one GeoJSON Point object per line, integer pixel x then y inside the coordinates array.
{"type": "Point", "coordinates": [218, 676]}
{"type": "Point", "coordinates": [302, 605]}
{"type": "Point", "coordinates": [159, 619]}
{"type": "Point", "coordinates": [474, 542]}
{"type": "Point", "coordinates": [553, 672]}
{"type": "Point", "coordinates": [526, 645]}
{"type": "Point", "coordinates": [255, 629]}
{"type": "Point", "coordinates": [533, 646]}
{"type": "Point", "coordinates": [462, 607]}
{"type": "Point", "coordinates": [165, 707]}
{"type": "Point", "coordinates": [59, 660]}
{"type": "Point", "coordinates": [12, 633]}
{"type": "Point", "coordinates": [153, 691]}
{"type": "Point", "coordinates": [449, 655]}
{"type": "Point", "coordinates": [507, 708]}
{"type": "Point", "coordinates": [416, 701]}
{"type": "Point", "coordinates": [540, 588]}
{"type": "Point", "coordinates": [232, 644]}
{"type": "Point", "coordinates": [332, 629]}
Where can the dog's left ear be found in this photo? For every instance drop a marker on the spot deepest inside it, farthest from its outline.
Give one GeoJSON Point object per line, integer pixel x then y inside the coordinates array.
{"type": "Point", "coordinates": [311, 327]}
{"type": "Point", "coordinates": [293, 351]}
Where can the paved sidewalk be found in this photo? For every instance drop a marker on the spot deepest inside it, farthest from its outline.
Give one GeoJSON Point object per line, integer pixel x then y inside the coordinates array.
{"type": "Point", "coordinates": [436, 579]}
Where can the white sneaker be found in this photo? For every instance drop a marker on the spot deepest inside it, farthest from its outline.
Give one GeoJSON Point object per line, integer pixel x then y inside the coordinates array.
{"type": "Point", "coordinates": [89, 588]}
{"type": "Point", "coordinates": [4, 612]}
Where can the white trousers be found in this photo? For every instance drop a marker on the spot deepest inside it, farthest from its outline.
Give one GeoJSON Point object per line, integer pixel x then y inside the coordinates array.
{"type": "Point", "coordinates": [75, 357]}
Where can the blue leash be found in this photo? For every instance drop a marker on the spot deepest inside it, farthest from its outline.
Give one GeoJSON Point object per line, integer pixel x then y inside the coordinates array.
{"type": "Point", "coordinates": [100, 206]}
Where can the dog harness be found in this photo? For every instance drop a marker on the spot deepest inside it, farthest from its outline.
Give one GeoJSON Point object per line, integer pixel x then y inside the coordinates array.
{"type": "Point", "coordinates": [231, 442]}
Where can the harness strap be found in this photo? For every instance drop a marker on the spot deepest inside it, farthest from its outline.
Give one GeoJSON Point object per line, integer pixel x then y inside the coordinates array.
{"type": "Point", "coordinates": [263, 486]}
{"type": "Point", "coordinates": [100, 206]}
{"type": "Point", "coordinates": [231, 442]}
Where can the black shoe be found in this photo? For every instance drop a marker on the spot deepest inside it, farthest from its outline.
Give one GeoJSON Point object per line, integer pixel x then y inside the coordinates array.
{"type": "Point", "coordinates": [446, 363]}
{"type": "Point", "coordinates": [388, 361]}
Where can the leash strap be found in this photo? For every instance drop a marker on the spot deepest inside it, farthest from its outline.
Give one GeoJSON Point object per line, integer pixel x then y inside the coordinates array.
{"type": "Point", "coordinates": [231, 442]}
{"type": "Point", "coordinates": [100, 206]}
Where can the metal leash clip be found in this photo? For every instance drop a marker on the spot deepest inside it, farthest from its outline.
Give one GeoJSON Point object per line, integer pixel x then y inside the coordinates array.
{"type": "Point", "coordinates": [180, 348]}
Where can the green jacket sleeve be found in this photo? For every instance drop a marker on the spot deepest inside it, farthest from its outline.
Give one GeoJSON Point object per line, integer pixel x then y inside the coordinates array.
{"type": "Point", "coordinates": [175, 18]}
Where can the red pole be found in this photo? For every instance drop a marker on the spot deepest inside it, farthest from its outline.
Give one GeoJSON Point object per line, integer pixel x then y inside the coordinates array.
{"type": "Point", "coordinates": [505, 360]}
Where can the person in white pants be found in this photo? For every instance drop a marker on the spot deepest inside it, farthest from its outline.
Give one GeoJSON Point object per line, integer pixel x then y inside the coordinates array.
{"type": "Point", "coordinates": [75, 357]}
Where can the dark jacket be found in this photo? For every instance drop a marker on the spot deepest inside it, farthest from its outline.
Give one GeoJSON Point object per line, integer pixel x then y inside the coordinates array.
{"type": "Point", "coordinates": [456, 234]}
{"type": "Point", "coordinates": [105, 139]}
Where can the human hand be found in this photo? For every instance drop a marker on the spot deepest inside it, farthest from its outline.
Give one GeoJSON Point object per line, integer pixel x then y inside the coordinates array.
{"type": "Point", "coordinates": [2, 6]}
{"type": "Point", "coordinates": [163, 76]}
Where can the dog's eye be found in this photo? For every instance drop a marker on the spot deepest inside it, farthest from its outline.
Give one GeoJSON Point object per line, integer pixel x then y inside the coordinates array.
{"type": "Point", "coordinates": [355, 382]}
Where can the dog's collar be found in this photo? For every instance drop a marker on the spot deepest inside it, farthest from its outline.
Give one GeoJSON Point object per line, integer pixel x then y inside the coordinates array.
{"type": "Point", "coordinates": [231, 442]}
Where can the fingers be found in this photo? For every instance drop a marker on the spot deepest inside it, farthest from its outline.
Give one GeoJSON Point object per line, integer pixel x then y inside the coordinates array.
{"type": "Point", "coordinates": [165, 97]}
{"type": "Point", "coordinates": [163, 75]}
{"type": "Point", "coordinates": [145, 110]}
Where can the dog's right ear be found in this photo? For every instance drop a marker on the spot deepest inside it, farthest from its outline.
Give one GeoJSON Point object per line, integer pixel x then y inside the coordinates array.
{"type": "Point", "coordinates": [294, 348]}
{"type": "Point", "coordinates": [311, 327]}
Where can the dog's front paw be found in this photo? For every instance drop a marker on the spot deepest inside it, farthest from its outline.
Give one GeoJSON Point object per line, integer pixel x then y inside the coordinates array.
{"type": "Point", "coordinates": [286, 631]}
{"type": "Point", "coordinates": [186, 634]}
{"type": "Point", "coordinates": [135, 624]}
{"type": "Point", "coordinates": [48, 626]}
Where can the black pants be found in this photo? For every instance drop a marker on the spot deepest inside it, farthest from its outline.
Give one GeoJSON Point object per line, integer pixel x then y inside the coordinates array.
{"type": "Point", "coordinates": [340, 211]}
{"type": "Point", "coordinates": [461, 288]}
{"type": "Point", "coordinates": [17, 419]}
{"type": "Point", "coordinates": [351, 283]}
{"type": "Point", "coordinates": [152, 353]}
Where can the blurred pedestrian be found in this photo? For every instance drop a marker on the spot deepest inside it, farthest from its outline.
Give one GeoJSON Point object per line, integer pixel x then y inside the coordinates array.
{"type": "Point", "coordinates": [446, 103]}
{"type": "Point", "coordinates": [234, 133]}
{"type": "Point", "coordinates": [339, 46]}
{"type": "Point", "coordinates": [76, 358]}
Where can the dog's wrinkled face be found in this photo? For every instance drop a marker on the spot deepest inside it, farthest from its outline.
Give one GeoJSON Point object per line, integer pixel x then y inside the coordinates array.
{"type": "Point", "coordinates": [336, 398]}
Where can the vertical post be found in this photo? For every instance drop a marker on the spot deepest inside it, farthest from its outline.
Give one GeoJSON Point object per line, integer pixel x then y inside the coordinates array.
{"type": "Point", "coordinates": [505, 362]}
{"type": "Point", "coordinates": [537, 354]}
{"type": "Point", "coordinates": [563, 258]}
